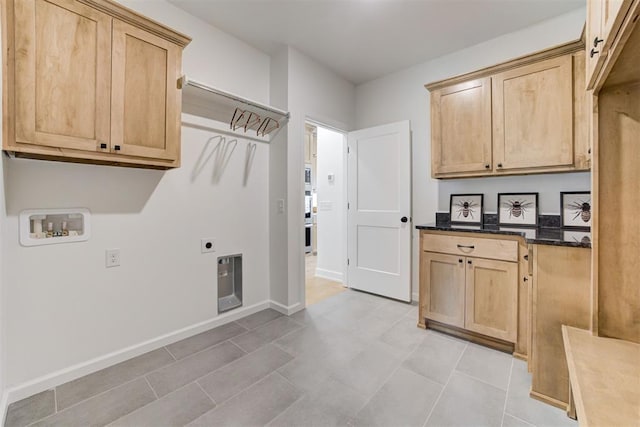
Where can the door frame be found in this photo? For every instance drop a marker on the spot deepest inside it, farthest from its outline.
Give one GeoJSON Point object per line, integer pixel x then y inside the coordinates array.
{"type": "Point", "coordinates": [345, 280]}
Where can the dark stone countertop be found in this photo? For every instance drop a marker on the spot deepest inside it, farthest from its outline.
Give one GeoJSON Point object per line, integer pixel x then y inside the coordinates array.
{"type": "Point", "coordinates": [540, 235]}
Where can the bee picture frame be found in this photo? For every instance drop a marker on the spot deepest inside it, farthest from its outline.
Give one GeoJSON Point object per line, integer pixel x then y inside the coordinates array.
{"type": "Point", "coordinates": [575, 210]}
{"type": "Point", "coordinates": [519, 209]}
{"type": "Point", "coordinates": [466, 209]}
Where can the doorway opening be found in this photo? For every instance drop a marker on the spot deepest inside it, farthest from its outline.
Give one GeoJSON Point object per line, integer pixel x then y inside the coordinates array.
{"type": "Point", "coordinates": [325, 217]}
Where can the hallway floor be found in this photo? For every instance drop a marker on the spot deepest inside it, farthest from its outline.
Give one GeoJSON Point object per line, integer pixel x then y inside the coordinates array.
{"type": "Point", "coordinates": [318, 288]}
{"type": "Point", "coordinates": [351, 359]}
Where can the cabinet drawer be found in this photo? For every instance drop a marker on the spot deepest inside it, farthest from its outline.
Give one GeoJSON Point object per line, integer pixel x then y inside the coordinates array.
{"type": "Point", "coordinates": [506, 250]}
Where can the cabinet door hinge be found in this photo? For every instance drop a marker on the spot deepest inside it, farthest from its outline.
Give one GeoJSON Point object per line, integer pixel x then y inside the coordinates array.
{"type": "Point", "coordinates": [348, 150]}
{"type": "Point", "coordinates": [347, 261]}
{"type": "Point", "coordinates": [348, 205]}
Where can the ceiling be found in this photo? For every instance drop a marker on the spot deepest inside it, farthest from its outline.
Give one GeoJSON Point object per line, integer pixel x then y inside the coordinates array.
{"type": "Point", "coordinates": [366, 39]}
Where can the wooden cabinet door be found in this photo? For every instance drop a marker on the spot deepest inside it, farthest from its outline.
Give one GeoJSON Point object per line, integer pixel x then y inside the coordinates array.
{"type": "Point", "coordinates": [594, 32]}
{"type": "Point", "coordinates": [461, 128]}
{"type": "Point", "coordinates": [492, 298]}
{"type": "Point", "coordinates": [146, 102]}
{"type": "Point", "coordinates": [443, 286]}
{"type": "Point", "coordinates": [62, 74]}
{"type": "Point", "coordinates": [533, 115]}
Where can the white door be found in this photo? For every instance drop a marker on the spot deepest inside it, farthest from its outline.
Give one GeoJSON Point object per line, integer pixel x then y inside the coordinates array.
{"type": "Point", "coordinates": [379, 211]}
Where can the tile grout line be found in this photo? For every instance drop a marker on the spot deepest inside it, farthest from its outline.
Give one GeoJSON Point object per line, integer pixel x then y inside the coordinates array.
{"type": "Point", "coordinates": [166, 347]}
{"type": "Point", "coordinates": [445, 385]}
{"type": "Point", "coordinates": [151, 387]}
{"type": "Point", "coordinates": [302, 396]}
{"type": "Point", "coordinates": [144, 375]}
{"type": "Point", "coordinates": [520, 419]}
{"type": "Point", "coordinates": [385, 382]}
{"type": "Point", "coordinates": [261, 325]}
{"type": "Point", "coordinates": [88, 398]}
{"type": "Point", "coordinates": [481, 380]}
{"type": "Point", "coordinates": [506, 397]}
{"type": "Point", "coordinates": [206, 394]}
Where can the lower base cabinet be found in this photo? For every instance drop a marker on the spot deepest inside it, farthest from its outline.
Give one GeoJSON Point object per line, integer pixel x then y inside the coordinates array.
{"type": "Point", "coordinates": [475, 294]}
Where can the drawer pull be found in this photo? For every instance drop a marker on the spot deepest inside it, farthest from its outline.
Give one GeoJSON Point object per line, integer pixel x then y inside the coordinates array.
{"type": "Point", "coordinates": [460, 260]}
{"type": "Point", "coordinates": [526, 257]}
{"type": "Point", "coordinates": [469, 262]}
{"type": "Point", "coordinates": [466, 247]}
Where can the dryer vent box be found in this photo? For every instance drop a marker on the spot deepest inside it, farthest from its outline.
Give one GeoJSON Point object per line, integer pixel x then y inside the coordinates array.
{"type": "Point", "coordinates": [229, 282]}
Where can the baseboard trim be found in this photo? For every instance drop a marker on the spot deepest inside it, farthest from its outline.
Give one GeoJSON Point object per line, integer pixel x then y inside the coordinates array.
{"type": "Point", "coordinates": [286, 310]}
{"type": "Point", "coordinates": [336, 276]}
{"type": "Point", "coordinates": [4, 406]}
{"type": "Point", "coordinates": [71, 373]}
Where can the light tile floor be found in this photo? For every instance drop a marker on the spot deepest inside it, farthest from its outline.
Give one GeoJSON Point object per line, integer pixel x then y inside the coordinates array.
{"type": "Point", "coordinates": [351, 360]}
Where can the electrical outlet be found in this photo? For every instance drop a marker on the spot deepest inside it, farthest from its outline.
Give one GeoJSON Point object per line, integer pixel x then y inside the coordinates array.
{"type": "Point", "coordinates": [207, 245]}
{"type": "Point", "coordinates": [112, 258]}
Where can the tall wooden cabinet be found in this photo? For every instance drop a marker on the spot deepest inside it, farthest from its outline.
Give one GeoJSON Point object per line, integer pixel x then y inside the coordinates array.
{"type": "Point", "coordinates": [528, 115]}
{"type": "Point", "coordinates": [90, 81]}
{"type": "Point", "coordinates": [604, 18]}
{"type": "Point", "coordinates": [561, 296]}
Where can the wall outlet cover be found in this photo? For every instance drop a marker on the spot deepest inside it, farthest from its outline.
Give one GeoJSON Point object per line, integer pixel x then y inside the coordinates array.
{"type": "Point", "coordinates": [207, 245]}
{"type": "Point", "coordinates": [112, 258]}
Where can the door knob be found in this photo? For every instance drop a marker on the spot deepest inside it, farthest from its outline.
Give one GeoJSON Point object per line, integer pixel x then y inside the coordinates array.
{"type": "Point", "coordinates": [404, 219]}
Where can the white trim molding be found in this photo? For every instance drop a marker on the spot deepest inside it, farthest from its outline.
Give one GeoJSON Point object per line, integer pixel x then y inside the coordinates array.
{"type": "Point", "coordinates": [336, 276]}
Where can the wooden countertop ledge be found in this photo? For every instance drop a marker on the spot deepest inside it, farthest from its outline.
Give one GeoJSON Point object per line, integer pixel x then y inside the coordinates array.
{"type": "Point", "coordinates": [605, 378]}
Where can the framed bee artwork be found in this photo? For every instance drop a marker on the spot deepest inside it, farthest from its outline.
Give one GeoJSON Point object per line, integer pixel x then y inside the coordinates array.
{"type": "Point", "coordinates": [518, 209]}
{"type": "Point", "coordinates": [466, 209]}
{"type": "Point", "coordinates": [575, 209]}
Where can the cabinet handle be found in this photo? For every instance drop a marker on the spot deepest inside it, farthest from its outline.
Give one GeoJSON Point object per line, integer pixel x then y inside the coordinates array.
{"type": "Point", "coordinates": [466, 247]}
{"type": "Point", "coordinates": [526, 257]}
{"type": "Point", "coordinates": [526, 279]}
{"type": "Point", "coordinates": [103, 146]}
{"type": "Point", "coordinates": [469, 262]}
{"type": "Point", "coordinates": [487, 166]}
{"type": "Point", "coordinates": [593, 52]}
{"type": "Point", "coordinates": [597, 41]}
{"type": "Point", "coordinates": [460, 260]}
{"type": "Point", "coordinates": [499, 165]}
{"type": "Point", "coordinates": [117, 148]}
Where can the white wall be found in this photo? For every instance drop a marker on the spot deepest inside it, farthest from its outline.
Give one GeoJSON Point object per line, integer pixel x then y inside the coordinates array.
{"type": "Point", "coordinates": [65, 308]}
{"type": "Point", "coordinates": [402, 96]}
{"type": "Point", "coordinates": [313, 92]}
{"type": "Point", "coordinates": [330, 160]}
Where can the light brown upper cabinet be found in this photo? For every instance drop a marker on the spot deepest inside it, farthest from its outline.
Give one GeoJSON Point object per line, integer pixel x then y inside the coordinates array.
{"type": "Point", "coordinates": [461, 141]}
{"type": "Point", "coordinates": [92, 82]}
{"type": "Point", "coordinates": [533, 115]}
{"type": "Point", "coordinates": [604, 18]}
{"type": "Point", "coordinates": [520, 117]}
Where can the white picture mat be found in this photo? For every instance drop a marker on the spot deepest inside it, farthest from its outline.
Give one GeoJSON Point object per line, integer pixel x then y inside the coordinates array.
{"type": "Point", "coordinates": [518, 209]}
{"type": "Point", "coordinates": [576, 208]}
{"type": "Point", "coordinates": [466, 208]}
